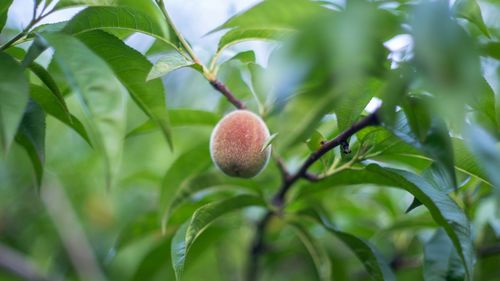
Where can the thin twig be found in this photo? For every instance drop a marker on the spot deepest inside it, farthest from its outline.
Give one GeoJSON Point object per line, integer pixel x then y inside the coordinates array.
{"type": "Point", "coordinates": [219, 86]}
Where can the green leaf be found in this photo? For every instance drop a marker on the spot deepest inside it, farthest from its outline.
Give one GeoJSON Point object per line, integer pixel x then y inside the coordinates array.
{"type": "Point", "coordinates": [179, 118]}
{"type": "Point", "coordinates": [470, 10]}
{"type": "Point", "coordinates": [236, 36]}
{"type": "Point", "coordinates": [441, 260]}
{"type": "Point", "coordinates": [47, 79]}
{"type": "Point", "coordinates": [52, 106]}
{"type": "Point", "coordinates": [442, 208]}
{"type": "Point", "coordinates": [102, 97]}
{"type": "Point", "coordinates": [273, 14]}
{"type": "Point", "coordinates": [71, 3]}
{"type": "Point", "coordinates": [191, 162]}
{"type": "Point", "coordinates": [31, 135]}
{"type": "Point", "coordinates": [204, 181]}
{"type": "Point", "coordinates": [201, 219]}
{"type": "Point", "coordinates": [4, 9]}
{"type": "Point", "coordinates": [167, 64]}
{"type": "Point", "coordinates": [131, 67]}
{"type": "Point", "coordinates": [116, 18]}
{"type": "Point", "coordinates": [429, 135]}
{"type": "Point", "coordinates": [14, 94]}
{"type": "Point", "coordinates": [372, 260]}
{"type": "Point", "coordinates": [269, 141]}
{"type": "Point", "coordinates": [316, 250]}
{"type": "Point", "coordinates": [485, 149]}
{"type": "Point", "coordinates": [316, 140]}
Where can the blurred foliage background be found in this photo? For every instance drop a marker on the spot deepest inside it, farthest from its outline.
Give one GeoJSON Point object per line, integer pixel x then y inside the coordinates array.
{"type": "Point", "coordinates": [90, 188]}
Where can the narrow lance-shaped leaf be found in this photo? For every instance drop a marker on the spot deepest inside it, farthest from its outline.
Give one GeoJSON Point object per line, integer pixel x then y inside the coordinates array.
{"type": "Point", "coordinates": [4, 8]}
{"type": "Point", "coordinates": [115, 18]}
{"type": "Point", "coordinates": [131, 67]}
{"type": "Point", "coordinates": [441, 261]}
{"type": "Point", "coordinates": [102, 97]}
{"type": "Point", "coordinates": [51, 105]}
{"type": "Point", "coordinates": [202, 182]}
{"type": "Point", "coordinates": [317, 252]}
{"type": "Point", "coordinates": [200, 220]}
{"type": "Point", "coordinates": [169, 63]}
{"type": "Point", "coordinates": [13, 98]}
{"type": "Point", "coordinates": [31, 135]}
{"type": "Point", "coordinates": [191, 162]}
{"type": "Point", "coordinates": [442, 208]}
{"type": "Point", "coordinates": [373, 261]}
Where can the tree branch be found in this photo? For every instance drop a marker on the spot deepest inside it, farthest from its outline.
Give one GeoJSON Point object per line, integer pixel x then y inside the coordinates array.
{"type": "Point", "coordinates": [219, 86]}
{"type": "Point", "coordinates": [370, 120]}
{"type": "Point", "coordinates": [289, 179]}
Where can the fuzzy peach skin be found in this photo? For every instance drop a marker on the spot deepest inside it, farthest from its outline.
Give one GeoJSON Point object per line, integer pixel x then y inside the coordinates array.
{"type": "Point", "coordinates": [236, 144]}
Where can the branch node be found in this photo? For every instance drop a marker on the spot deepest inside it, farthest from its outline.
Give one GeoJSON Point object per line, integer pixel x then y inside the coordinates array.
{"type": "Point", "coordinates": [344, 145]}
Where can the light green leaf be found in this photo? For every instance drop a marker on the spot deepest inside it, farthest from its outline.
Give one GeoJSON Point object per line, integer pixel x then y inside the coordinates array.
{"type": "Point", "coordinates": [71, 3]}
{"type": "Point", "coordinates": [131, 67]}
{"type": "Point", "coordinates": [116, 18]}
{"type": "Point", "coordinates": [31, 135]}
{"type": "Point", "coordinates": [269, 141]}
{"type": "Point", "coordinates": [51, 105]}
{"type": "Point", "coordinates": [442, 208]}
{"type": "Point", "coordinates": [4, 9]}
{"type": "Point", "coordinates": [191, 162]}
{"type": "Point", "coordinates": [236, 36]}
{"type": "Point", "coordinates": [14, 94]}
{"type": "Point", "coordinates": [168, 63]}
{"type": "Point", "coordinates": [314, 143]}
{"type": "Point", "coordinates": [201, 219]}
{"type": "Point", "coordinates": [316, 250]}
{"type": "Point", "coordinates": [102, 97]}
{"type": "Point", "coordinates": [470, 10]}
{"type": "Point", "coordinates": [273, 14]}
{"type": "Point", "coordinates": [204, 181]}
{"type": "Point", "coordinates": [441, 260]}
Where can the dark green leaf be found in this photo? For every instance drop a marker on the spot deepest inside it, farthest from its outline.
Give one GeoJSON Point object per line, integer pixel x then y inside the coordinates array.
{"type": "Point", "coordinates": [31, 135]}
{"type": "Point", "coordinates": [131, 67]}
{"type": "Point", "coordinates": [4, 9]}
{"type": "Point", "coordinates": [14, 94]}
{"type": "Point", "coordinates": [486, 151]}
{"type": "Point", "coordinates": [442, 208]}
{"type": "Point", "coordinates": [429, 135]}
{"type": "Point", "coordinates": [317, 252]}
{"type": "Point", "coordinates": [441, 260]}
{"type": "Point", "coordinates": [373, 261]}
{"type": "Point", "coordinates": [51, 105]}
{"type": "Point", "coordinates": [101, 96]}
{"type": "Point", "coordinates": [201, 219]}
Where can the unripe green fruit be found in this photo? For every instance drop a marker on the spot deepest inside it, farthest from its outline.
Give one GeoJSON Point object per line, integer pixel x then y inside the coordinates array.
{"type": "Point", "coordinates": [236, 144]}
